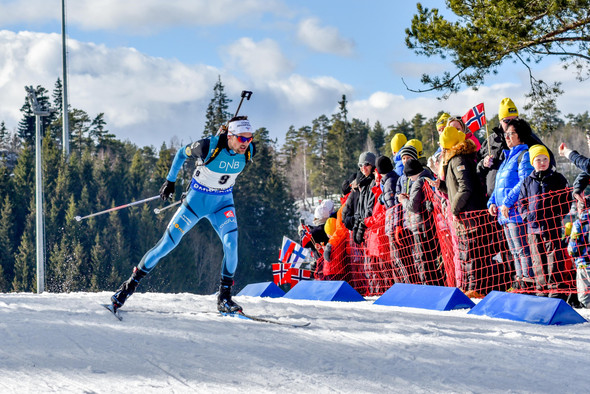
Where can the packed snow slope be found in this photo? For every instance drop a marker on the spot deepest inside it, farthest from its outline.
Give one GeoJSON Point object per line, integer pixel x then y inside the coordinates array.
{"type": "Point", "coordinates": [68, 343]}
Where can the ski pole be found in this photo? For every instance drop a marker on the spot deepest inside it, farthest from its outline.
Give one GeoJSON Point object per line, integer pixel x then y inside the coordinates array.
{"type": "Point", "coordinates": [79, 218]}
{"type": "Point", "coordinates": [245, 94]}
{"type": "Point", "coordinates": [158, 210]}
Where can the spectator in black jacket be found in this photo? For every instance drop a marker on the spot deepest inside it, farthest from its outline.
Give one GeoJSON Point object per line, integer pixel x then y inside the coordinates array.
{"type": "Point", "coordinates": [542, 203]}
{"type": "Point", "coordinates": [366, 199]}
{"type": "Point", "coordinates": [350, 187]}
{"type": "Point", "coordinates": [388, 180]}
{"type": "Point", "coordinates": [418, 212]}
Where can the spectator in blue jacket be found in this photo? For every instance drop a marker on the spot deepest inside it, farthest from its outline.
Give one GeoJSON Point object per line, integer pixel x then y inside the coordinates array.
{"type": "Point", "coordinates": [502, 203]}
{"type": "Point", "coordinates": [397, 143]}
{"type": "Point", "coordinates": [543, 202]}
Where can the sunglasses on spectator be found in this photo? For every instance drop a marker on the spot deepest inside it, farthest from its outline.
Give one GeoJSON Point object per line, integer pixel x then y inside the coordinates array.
{"type": "Point", "coordinates": [242, 138]}
{"type": "Point", "coordinates": [506, 121]}
{"type": "Point", "coordinates": [361, 165]}
{"type": "Point", "coordinates": [510, 134]}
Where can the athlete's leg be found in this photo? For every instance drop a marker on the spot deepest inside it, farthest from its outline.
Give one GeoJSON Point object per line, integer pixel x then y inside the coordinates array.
{"type": "Point", "coordinates": [223, 219]}
{"type": "Point", "coordinates": [183, 220]}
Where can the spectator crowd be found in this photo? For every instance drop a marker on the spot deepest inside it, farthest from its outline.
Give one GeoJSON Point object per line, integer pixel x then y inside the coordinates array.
{"type": "Point", "coordinates": [477, 215]}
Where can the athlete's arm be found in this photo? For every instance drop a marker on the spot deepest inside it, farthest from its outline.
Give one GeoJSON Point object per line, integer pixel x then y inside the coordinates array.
{"type": "Point", "coordinates": [198, 150]}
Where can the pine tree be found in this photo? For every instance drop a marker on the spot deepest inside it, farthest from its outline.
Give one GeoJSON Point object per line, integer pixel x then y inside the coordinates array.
{"type": "Point", "coordinates": [98, 261]}
{"type": "Point", "coordinates": [481, 35]}
{"type": "Point", "coordinates": [79, 128]}
{"type": "Point", "coordinates": [581, 121]}
{"type": "Point", "coordinates": [377, 134]}
{"type": "Point", "coordinates": [99, 133]}
{"type": "Point", "coordinates": [4, 140]}
{"type": "Point", "coordinates": [290, 147]}
{"type": "Point", "coordinates": [23, 265]}
{"type": "Point", "coordinates": [56, 128]}
{"type": "Point", "coordinates": [320, 165]}
{"type": "Point", "coordinates": [7, 241]}
{"type": "Point", "coordinates": [217, 111]}
{"type": "Point", "coordinates": [263, 206]}
{"type": "Point", "coordinates": [25, 259]}
{"type": "Point", "coordinates": [24, 186]}
{"type": "Point", "coordinates": [26, 126]}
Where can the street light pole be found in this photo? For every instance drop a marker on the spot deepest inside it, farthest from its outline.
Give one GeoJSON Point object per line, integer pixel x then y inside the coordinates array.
{"type": "Point", "coordinates": [40, 233]}
{"type": "Point", "coordinates": [65, 117]}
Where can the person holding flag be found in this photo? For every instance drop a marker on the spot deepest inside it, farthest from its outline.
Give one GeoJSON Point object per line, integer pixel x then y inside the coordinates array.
{"type": "Point", "coordinates": [458, 123]}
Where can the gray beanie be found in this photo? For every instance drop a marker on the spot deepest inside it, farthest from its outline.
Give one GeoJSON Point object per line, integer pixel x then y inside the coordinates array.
{"type": "Point", "coordinates": [367, 157]}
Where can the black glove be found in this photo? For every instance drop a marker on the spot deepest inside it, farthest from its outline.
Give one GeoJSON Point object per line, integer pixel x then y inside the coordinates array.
{"type": "Point", "coordinates": [359, 233]}
{"type": "Point", "coordinates": [167, 190]}
{"type": "Point", "coordinates": [328, 252]}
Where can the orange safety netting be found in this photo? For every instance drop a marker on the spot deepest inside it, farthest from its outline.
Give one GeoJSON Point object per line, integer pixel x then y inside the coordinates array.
{"type": "Point", "coordinates": [471, 252]}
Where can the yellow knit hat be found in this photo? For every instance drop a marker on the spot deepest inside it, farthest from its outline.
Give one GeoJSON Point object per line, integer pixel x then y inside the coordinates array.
{"type": "Point", "coordinates": [442, 121]}
{"type": "Point", "coordinates": [330, 226]}
{"type": "Point", "coordinates": [568, 228]}
{"type": "Point", "coordinates": [418, 145]}
{"type": "Point", "coordinates": [450, 137]}
{"type": "Point", "coordinates": [397, 142]}
{"type": "Point", "coordinates": [537, 150]}
{"type": "Point", "coordinates": [507, 108]}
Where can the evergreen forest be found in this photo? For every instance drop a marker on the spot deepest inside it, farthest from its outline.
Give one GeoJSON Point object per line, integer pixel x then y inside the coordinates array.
{"type": "Point", "coordinates": [102, 172]}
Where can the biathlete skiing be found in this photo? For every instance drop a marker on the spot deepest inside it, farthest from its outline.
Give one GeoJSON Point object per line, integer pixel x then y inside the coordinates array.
{"type": "Point", "coordinates": [219, 161]}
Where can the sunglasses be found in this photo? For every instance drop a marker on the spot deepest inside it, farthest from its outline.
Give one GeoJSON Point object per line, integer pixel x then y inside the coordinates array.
{"type": "Point", "coordinates": [361, 165]}
{"type": "Point", "coordinates": [506, 121]}
{"type": "Point", "coordinates": [243, 139]}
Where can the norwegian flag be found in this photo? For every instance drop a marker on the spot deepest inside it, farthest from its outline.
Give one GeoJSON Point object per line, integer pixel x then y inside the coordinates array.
{"type": "Point", "coordinates": [475, 118]}
{"type": "Point", "coordinates": [281, 273]}
{"type": "Point", "coordinates": [299, 274]}
{"type": "Point", "coordinates": [292, 252]}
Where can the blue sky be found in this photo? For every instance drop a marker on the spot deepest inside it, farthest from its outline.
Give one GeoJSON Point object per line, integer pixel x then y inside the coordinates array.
{"type": "Point", "coordinates": [150, 65]}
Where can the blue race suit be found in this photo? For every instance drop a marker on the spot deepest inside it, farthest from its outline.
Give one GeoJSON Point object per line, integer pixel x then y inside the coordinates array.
{"type": "Point", "coordinates": [210, 196]}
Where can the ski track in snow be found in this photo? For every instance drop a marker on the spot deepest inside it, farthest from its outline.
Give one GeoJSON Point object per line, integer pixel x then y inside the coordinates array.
{"type": "Point", "coordinates": [177, 343]}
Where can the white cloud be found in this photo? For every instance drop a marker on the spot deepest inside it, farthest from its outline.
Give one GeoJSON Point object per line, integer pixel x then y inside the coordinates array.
{"type": "Point", "coordinates": [324, 39]}
{"type": "Point", "coordinates": [140, 16]}
{"type": "Point", "coordinates": [132, 89]}
{"type": "Point", "coordinates": [149, 100]}
{"type": "Point", "coordinates": [258, 60]}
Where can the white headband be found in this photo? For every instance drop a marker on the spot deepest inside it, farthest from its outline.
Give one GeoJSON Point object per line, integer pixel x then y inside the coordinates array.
{"type": "Point", "coordinates": [240, 126]}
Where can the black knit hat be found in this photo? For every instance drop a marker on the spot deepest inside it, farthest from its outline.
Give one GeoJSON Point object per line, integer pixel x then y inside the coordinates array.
{"type": "Point", "coordinates": [413, 167]}
{"type": "Point", "coordinates": [408, 150]}
{"type": "Point", "coordinates": [384, 165]}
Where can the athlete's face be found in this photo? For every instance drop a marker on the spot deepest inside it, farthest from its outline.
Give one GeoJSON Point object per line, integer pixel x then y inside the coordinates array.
{"type": "Point", "coordinates": [239, 142]}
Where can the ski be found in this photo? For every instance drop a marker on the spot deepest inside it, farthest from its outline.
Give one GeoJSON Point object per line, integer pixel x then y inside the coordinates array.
{"type": "Point", "coordinates": [245, 316]}
{"type": "Point", "coordinates": [111, 309]}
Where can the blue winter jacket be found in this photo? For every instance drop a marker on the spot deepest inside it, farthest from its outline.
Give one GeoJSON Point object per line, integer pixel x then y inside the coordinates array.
{"type": "Point", "coordinates": [579, 240]}
{"type": "Point", "coordinates": [398, 165]}
{"type": "Point", "coordinates": [512, 172]}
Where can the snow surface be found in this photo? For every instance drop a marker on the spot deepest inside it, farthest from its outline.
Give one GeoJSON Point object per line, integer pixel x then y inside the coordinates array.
{"type": "Point", "coordinates": [68, 343]}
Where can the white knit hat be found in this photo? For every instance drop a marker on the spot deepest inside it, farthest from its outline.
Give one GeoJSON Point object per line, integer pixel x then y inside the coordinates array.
{"type": "Point", "coordinates": [324, 210]}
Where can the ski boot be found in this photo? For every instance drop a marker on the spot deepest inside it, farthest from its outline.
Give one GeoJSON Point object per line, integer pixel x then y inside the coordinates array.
{"type": "Point", "coordinates": [224, 302]}
{"type": "Point", "coordinates": [127, 288]}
